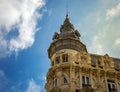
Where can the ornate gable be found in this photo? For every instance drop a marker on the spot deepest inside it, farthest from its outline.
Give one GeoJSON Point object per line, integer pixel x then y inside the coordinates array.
{"type": "Point", "coordinates": [106, 61]}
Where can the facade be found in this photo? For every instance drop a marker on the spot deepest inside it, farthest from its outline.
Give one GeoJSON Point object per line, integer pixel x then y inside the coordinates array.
{"type": "Point", "coordinates": [73, 69]}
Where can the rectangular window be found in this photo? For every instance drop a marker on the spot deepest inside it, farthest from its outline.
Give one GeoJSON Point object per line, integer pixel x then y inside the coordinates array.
{"type": "Point", "coordinates": [85, 81]}
{"type": "Point", "coordinates": [111, 86]}
{"type": "Point", "coordinates": [54, 82]}
{"type": "Point", "coordinates": [65, 58]}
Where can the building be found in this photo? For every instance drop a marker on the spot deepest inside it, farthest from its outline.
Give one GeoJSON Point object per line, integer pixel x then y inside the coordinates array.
{"type": "Point", "coordinates": [73, 69]}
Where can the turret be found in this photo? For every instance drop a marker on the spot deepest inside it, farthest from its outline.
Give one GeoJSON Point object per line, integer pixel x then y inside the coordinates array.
{"type": "Point", "coordinates": [68, 38]}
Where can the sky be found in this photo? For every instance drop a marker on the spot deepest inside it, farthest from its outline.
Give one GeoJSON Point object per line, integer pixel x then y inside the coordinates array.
{"type": "Point", "coordinates": [27, 28]}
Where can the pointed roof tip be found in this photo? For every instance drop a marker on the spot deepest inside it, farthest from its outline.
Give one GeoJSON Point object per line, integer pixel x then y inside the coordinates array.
{"type": "Point", "coordinates": [67, 18]}
{"type": "Point", "coordinates": [67, 15]}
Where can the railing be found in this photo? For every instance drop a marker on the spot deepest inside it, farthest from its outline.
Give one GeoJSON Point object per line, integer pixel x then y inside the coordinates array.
{"type": "Point", "coordinates": [112, 90]}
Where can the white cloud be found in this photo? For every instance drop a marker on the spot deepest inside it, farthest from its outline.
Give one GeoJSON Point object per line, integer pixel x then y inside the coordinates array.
{"type": "Point", "coordinates": [10, 12]}
{"type": "Point", "coordinates": [96, 46]}
{"type": "Point", "coordinates": [33, 87]}
{"type": "Point", "coordinates": [23, 15]}
{"type": "Point", "coordinates": [113, 12]}
{"type": "Point", "coordinates": [117, 42]}
{"type": "Point", "coordinates": [105, 34]}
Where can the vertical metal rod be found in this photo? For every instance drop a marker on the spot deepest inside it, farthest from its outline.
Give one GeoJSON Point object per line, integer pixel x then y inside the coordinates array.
{"type": "Point", "coordinates": [66, 8]}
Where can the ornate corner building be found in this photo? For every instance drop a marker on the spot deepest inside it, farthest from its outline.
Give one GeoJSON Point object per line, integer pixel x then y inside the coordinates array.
{"type": "Point", "coordinates": [73, 69]}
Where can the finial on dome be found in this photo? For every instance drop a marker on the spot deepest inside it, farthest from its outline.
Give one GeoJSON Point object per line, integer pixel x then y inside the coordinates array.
{"type": "Point", "coordinates": [67, 15]}
{"type": "Point", "coordinates": [66, 8]}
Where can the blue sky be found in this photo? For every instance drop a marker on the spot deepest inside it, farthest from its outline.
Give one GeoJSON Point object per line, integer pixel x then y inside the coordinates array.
{"type": "Point", "coordinates": [27, 27]}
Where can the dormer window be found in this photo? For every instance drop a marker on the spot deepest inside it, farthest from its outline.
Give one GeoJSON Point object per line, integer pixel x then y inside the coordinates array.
{"type": "Point", "coordinates": [65, 58]}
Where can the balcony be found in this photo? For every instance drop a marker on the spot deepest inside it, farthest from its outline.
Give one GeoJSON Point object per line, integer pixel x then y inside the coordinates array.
{"type": "Point", "coordinates": [87, 88]}
{"type": "Point", "coordinates": [112, 90]}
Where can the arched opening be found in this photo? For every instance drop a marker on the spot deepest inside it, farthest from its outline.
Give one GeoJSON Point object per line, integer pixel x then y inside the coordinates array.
{"type": "Point", "coordinates": [65, 80]}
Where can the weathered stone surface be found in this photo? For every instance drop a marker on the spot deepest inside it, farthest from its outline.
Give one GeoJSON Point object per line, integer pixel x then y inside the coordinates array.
{"type": "Point", "coordinates": [73, 69]}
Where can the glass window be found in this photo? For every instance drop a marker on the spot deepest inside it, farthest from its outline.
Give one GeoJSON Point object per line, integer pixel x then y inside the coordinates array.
{"type": "Point", "coordinates": [111, 86]}
{"type": "Point", "coordinates": [54, 82]}
{"type": "Point", "coordinates": [65, 58]}
{"type": "Point", "coordinates": [85, 81]}
{"type": "Point", "coordinates": [65, 80]}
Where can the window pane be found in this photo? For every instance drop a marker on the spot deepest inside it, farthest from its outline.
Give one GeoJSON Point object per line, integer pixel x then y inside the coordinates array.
{"type": "Point", "coordinates": [87, 79]}
{"type": "Point", "coordinates": [55, 82]}
{"type": "Point", "coordinates": [65, 80]}
{"type": "Point", "coordinates": [83, 80]}
{"type": "Point", "coordinates": [111, 85]}
{"type": "Point", "coordinates": [65, 58]}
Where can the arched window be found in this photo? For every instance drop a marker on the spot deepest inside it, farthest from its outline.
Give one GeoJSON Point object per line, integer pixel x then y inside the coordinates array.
{"type": "Point", "coordinates": [54, 82]}
{"type": "Point", "coordinates": [65, 80]}
{"type": "Point", "coordinates": [65, 58]}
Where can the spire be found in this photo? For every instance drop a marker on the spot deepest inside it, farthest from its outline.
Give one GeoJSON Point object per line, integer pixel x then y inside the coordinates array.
{"type": "Point", "coordinates": [66, 8]}
{"type": "Point", "coordinates": [67, 25]}
{"type": "Point", "coordinates": [67, 29]}
{"type": "Point", "coordinates": [67, 15]}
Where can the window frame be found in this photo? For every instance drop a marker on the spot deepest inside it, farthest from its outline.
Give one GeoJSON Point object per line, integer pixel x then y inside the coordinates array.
{"type": "Point", "coordinates": [65, 81]}
{"type": "Point", "coordinates": [86, 81]}
{"type": "Point", "coordinates": [55, 82]}
{"type": "Point", "coordinates": [65, 58]}
{"type": "Point", "coordinates": [111, 85]}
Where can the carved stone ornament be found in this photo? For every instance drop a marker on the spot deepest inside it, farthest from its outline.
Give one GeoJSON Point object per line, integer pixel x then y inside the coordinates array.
{"type": "Point", "coordinates": [106, 61]}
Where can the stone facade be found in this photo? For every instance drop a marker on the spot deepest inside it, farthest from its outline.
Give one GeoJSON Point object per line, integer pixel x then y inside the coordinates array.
{"type": "Point", "coordinates": [73, 69]}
